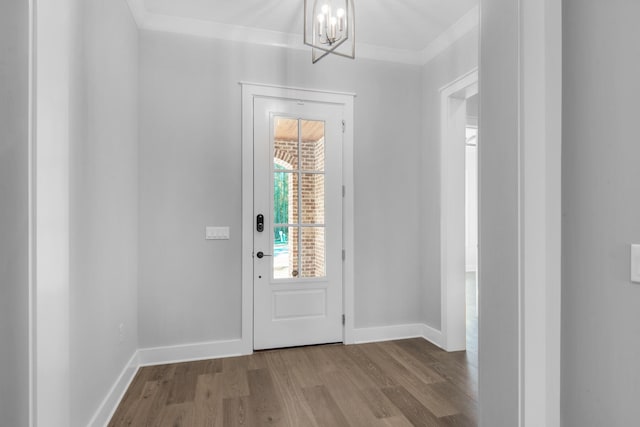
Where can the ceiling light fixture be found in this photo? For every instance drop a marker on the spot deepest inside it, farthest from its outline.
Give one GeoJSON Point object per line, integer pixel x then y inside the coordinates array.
{"type": "Point", "coordinates": [329, 27]}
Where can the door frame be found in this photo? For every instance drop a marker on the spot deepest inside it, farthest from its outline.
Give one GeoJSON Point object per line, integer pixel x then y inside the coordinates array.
{"type": "Point", "coordinates": [249, 92]}
{"type": "Point", "coordinates": [452, 210]}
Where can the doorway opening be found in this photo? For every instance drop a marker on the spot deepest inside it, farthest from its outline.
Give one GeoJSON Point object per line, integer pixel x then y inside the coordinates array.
{"type": "Point", "coordinates": [458, 212]}
{"type": "Point", "coordinates": [471, 226]}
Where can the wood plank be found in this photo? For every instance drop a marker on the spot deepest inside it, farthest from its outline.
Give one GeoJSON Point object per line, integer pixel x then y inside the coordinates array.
{"type": "Point", "coordinates": [459, 420]}
{"type": "Point", "coordinates": [138, 412]}
{"type": "Point", "coordinates": [417, 367]}
{"type": "Point", "coordinates": [379, 404]}
{"type": "Point", "coordinates": [184, 382]}
{"type": "Point", "coordinates": [137, 384]}
{"type": "Point", "coordinates": [258, 360]}
{"type": "Point", "coordinates": [348, 366]}
{"type": "Point", "coordinates": [466, 382]}
{"type": "Point", "coordinates": [208, 366]}
{"type": "Point", "coordinates": [350, 401]}
{"type": "Point", "coordinates": [375, 372]}
{"type": "Point", "coordinates": [425, 354]}
{"type": "Point", "coordinates": [236, 412]}
{"type": "Point", "coordinates": [301, 367]}
{"type": "Point", "coordinates": [397, 421]}
{"type": "Point", "coordinates": [325, 410]}
{"type": "Point", "coordinates": [177, 415]}
{"type": "Point", "coordinates": [234, 377]}
{"type": "Point", "coordinates": [294, 404]}
{"type": "Point", "coordinates": [465, 404]}
{"type": "Point", "coordinates": [164, 376]}
{"type": "Point", "coordinates": [436, 403]}
{"type": "Point", "coordinates": [208, 400]}
{"type": "Point", "coordinates": [411, 408]}
{"type": "Point", "coordinates": [264, 401]}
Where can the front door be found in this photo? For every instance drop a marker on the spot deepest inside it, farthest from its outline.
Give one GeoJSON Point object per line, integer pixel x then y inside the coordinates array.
{"type": "Point", "coordinates": [298, 223]}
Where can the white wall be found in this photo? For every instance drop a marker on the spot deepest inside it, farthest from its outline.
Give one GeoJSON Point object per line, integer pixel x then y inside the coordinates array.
{"type": "Point", "coordinates": [456, 61]}
{"type": "Point", "coordinates": [103, 203]}
{"type": "Point", "coordinates": [601, 213]}
{"type": "Point", "coordinates": [190, 177]}
{"type": "Point", "coordinates": [14, 174]}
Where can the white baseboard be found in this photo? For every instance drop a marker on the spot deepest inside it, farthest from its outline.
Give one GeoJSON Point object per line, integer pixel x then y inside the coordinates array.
{"type": "Point", "coordinates": [116, 393]}
{"type": "Point", "coordinates": [398, 332]}
{"type": "Point", "coordinates": [190, 352]}
{"type": "Point", "coordinates": [434, 336]}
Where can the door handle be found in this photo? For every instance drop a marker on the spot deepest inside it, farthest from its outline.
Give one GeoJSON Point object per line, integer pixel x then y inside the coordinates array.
{"type": "Point", "coordinates": [262, 254]}
{"type": "Point", "coordinates": [260, 223]}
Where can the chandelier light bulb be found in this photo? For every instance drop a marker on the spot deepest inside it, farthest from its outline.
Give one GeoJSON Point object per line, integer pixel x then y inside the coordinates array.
{"type": "Point", "coordinates": [332, 28]}
{"type": "Point", "coordinates": [340, 13]}
{"type": "Point", "coordinates": [320, 24]}
{"type": "Point", "coordinates": [325, 9]}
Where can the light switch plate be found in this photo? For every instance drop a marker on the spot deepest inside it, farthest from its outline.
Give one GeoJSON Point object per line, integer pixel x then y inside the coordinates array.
{"type": "Point", "coordinates": [635, 263]}
{"type": "Point", "coordinates": [217, 233]}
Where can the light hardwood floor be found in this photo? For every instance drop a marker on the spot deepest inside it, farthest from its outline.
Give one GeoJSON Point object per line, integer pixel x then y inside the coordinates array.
{"type": "Point", "coordinates": [396, 383]}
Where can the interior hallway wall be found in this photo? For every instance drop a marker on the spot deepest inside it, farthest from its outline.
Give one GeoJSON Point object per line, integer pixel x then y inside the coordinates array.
{"type": "Point", "coordinates": [190, 177]}
{"type": "Point", "coordinates": [601, 213]}
{"type": "Point", "coordinates": [456, 61]}
{"type": "Point", "coordinates": [14, 213]}
{"type": "Point", "coordinates": [103, 202]}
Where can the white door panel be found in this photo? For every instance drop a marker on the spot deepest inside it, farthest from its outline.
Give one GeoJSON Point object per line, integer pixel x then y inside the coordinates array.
{"type": "Point", "coordinates": [298, 253]}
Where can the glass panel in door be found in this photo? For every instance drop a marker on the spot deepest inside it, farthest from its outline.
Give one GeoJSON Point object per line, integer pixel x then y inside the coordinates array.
{"type": "Point", "coordinates": [298, 199]}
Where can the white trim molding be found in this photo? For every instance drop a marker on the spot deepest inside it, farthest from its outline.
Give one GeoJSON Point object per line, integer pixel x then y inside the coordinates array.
{"type": "Point", "coordinates": [147, 20]}
{"type": "Point", "coordinates": [110, 403]}
{"type": "Point", "coordinates": [52, 33]}
{"type": "Point", "coordinates": [32, 164]}
{"type": "Point", "coordinates": [458, 30]}
{"type": "Point", "coordinates": [520, 213]}
{"type": "Point", "coordinates": [540, 204]}
{"type": "Point", "coordinates": [190, 352]}
{"type": "Point", "coordinates": [453, 117]}
{"type": "Point", "coordinates": [398, 332]}
{"type": "Point", "coordinates": [433, 335]}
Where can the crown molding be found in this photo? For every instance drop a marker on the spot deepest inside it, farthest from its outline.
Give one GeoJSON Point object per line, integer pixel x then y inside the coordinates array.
{"type": "Point", "coordinates": [215, 30]}
{"type": "Point", "coordinates": [462, 27]}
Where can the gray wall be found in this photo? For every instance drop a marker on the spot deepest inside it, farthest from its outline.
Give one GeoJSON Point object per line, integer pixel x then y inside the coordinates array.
{"type": "Point", "coordinates": [456, 61]}
{"type": "Point", "coordinates": [103, 202]}
{"type": "Point", "coordinates": [14, 285]}
{"type": "Point", "coordinates": [190, 176]}
{"type": "Point", "coordinates": [498, 214]}
{"type": "Point", "coordinates": [601, 213]}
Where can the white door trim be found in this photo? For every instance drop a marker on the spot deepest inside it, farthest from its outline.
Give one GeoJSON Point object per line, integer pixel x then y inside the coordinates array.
{"type": "Point", "coordinates": [540, 216]}
{"type": "Point", "coordinates": [249, 92]}
{"type": "Point", "coordinates": [452, 211]}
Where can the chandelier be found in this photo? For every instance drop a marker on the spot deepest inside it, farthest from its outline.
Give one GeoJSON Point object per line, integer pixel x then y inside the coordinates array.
{"type": "Point", "coordinates": [329, 27]}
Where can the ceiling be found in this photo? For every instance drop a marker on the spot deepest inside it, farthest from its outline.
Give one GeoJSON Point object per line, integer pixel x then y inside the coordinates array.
{"type": "Point", "coordinates": [287, 130]}
{"type": "Point", "coordinates": [400, 26]}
